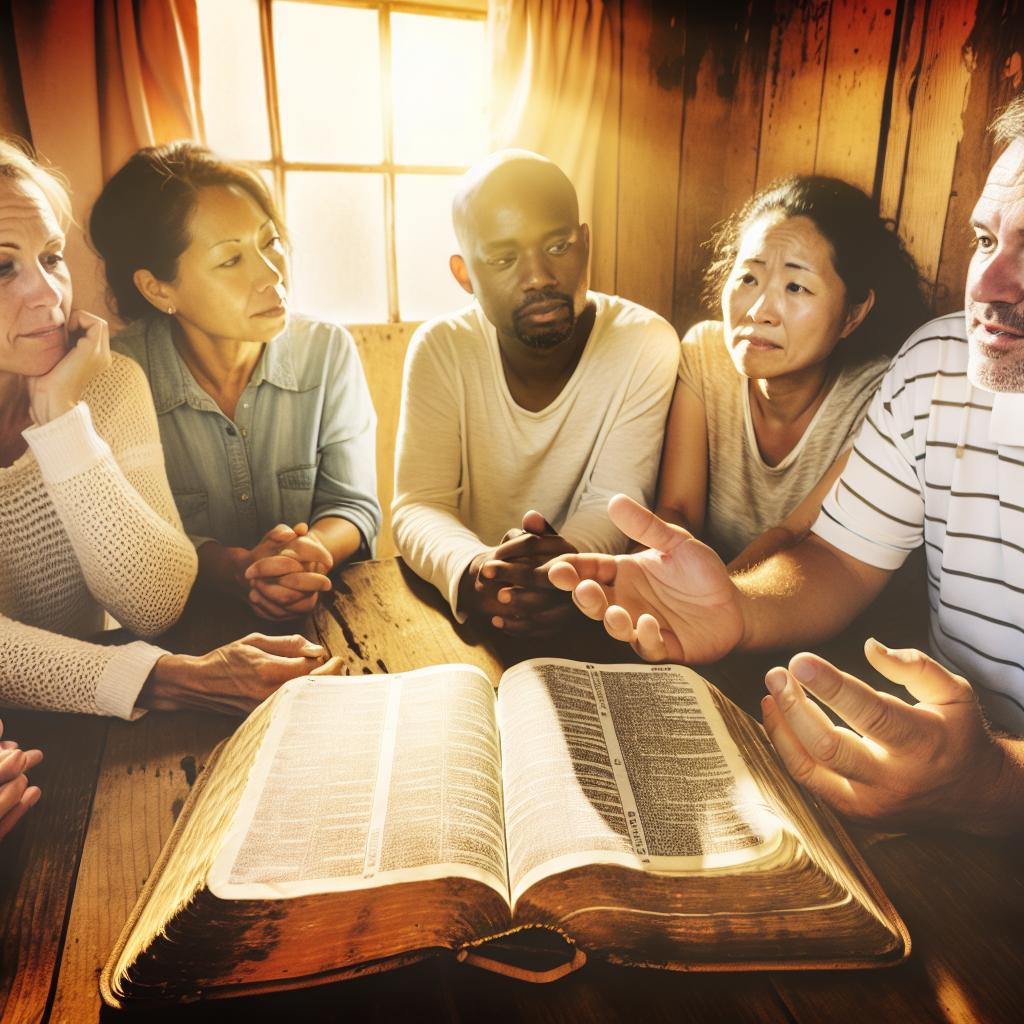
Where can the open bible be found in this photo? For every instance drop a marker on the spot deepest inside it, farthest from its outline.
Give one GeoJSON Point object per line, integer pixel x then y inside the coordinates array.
{"type": "Point", "coordinates": [626, 812]}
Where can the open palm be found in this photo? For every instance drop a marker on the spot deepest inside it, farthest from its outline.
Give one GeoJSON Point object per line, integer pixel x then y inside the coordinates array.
{"type": "Point", "coordinates": [672, 601]}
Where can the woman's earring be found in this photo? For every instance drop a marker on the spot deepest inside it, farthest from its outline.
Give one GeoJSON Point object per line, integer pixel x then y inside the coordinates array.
{"type": "Point", "coordinates": [170, 311]}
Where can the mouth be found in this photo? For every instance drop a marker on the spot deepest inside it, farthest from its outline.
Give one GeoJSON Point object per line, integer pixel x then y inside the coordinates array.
{"type": "Point", "coordinates": [50, 332]}
{"type": "Point", "coordinates": [756, 343]}
{"type": "Point", "coordinates": [995, 336]}
{"type": "Point", "coordinates": [544, 312]}
{"type": "Point", "coordinates": [273, 313]}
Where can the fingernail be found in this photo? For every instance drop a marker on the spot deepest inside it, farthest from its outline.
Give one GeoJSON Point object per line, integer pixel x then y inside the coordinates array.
{"type": "Point", "coordinates": [497, 622]}
{"type": "Point", "coordinates": [314, 650]}
{"type": "Point", "coordinates": [804, 670]}
{"type": "Point", "coordinates": [775, 680]}
{"type": "Point", "coordinates": [505, 596]}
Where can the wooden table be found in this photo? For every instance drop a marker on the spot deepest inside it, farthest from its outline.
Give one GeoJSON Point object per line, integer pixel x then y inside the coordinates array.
{"type": "Point", "coordinates": [71, 871]}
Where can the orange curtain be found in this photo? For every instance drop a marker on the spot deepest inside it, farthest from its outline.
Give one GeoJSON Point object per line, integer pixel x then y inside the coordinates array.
{"type": "Point", "coordinates": [102, 78]}
{"type": "Point", "coordinates": [552, 63]}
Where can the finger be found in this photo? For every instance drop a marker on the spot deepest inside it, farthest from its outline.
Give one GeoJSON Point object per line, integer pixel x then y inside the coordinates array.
{"type": "Point", "coordinates": [299, 584]}
{"type": "Point", "coordinates": [32, 758]}
{"type": "Point", "coordinates": [923, 677]}
{"type": "Point", "coordinates": [887, 720]}
{"type": "Point", "coordinates": [279, 670]}
{"type": "Point", "coordinates": [800, 765]}
{"type": "Point", "coordinates": [642, 525]}
{"type": "Point", "coordinates": [291, 645]}
{"type": "Point", "coordinates": [11, 793]}
{"type": "Point", "coordinates": [12, 764]}
{"type": "Point", "coordinates": [293, 604]}
{"type": "Point", "coordinates": [530, 547]}
{"type": "Point", "coordinates": [331, 667]}
{"type": "Point", "coordinates": [519, 574]}
{"type": "Point", "coordinates": [619, 623]}
{"type": "Point", "coordinates": [28, 799]}
{"type": "Point", "coordinates": [273, 565]}
{"type": "Point", "coordinates": [266, 609]}
{"type": "Point", "coordinates": [511, 534]}
{"type": "Point", "coordinates": [534, 522]}
{"type": "Point", "coordinates": [568, 570]}
{"type": "Point", "coordinates": [591, 599]}
{"type": "Point", "coordinates": [524, 601]}
{"type": "Point", "coordinates": [839, 750]}
{"type": "Point", "coordinates": [652, 644]}
{"type": "Point", "coordinates": [539, 623]}
{"type": "Point", "coordinates": [308, 550]}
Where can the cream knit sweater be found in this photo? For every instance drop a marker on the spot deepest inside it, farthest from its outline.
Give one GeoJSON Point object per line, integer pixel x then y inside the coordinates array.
{"type": "Point", "coordinates": [88, 524]}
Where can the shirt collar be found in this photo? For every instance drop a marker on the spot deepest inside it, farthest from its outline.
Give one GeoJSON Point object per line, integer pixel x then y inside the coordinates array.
{"type": "Point", "coordinates": [172, 384]}
{"type": "Point", "coordinates": [1007, 423]}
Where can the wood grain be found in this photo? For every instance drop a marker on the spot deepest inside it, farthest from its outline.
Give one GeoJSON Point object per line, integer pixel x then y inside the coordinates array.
{"type": "Point", "coordinates": [39, 858]}
{"type": "Point", "coordinates": [650, 129]}
{"type": "Point", "coordinates": [793, 89]}
{"type": "Point", "coordinates": [853, 92]}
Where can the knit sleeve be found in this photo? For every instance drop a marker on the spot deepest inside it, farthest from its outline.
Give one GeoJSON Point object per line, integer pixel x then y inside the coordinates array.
{"type": "Point", "coordinates": [114, 501]}
{"type": "Point", "coordinates": [41, 669]}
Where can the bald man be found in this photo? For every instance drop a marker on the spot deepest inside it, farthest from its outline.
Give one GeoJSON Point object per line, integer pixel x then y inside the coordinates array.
{"type": "Point", "coordinates": [524, 412]}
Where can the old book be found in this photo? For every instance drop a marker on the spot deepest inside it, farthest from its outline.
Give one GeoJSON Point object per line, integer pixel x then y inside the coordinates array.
{"type": "Point", "coordinates": [624, 812]}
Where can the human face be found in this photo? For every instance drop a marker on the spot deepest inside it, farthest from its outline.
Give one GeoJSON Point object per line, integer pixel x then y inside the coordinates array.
{"type": "Point", "coordinates": [527, 263]}
{"type": "Point", "coordinates": [784, 306]}
{"type": "Point", "coordinates": [35, 286]}
{"type": "Point", "coordinates": [995, 278]}
{"type": "Point", "coordinates": [231, 284]}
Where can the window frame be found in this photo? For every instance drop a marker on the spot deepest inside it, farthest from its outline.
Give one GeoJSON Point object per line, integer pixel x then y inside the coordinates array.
{"type": "Point", "coordinates": [278, 165]}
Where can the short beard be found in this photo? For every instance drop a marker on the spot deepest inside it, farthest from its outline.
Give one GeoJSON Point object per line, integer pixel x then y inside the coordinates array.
{"type": "Point", "coordinates": [546, 338]}
{"type": "Point", "coordinates": [999, 373]}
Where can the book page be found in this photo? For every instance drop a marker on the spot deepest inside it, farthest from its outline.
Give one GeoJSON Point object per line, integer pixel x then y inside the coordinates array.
{"type": "Point", "coordinates": [623, 764]}
{"type": "Point", "coordinates": [369, 781]}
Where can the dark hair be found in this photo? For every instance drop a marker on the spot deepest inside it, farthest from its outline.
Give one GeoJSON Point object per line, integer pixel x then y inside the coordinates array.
{"type": "Point", "coordinates": [141, 219]}
{"type": "Point", "coordinates": [866, 253]}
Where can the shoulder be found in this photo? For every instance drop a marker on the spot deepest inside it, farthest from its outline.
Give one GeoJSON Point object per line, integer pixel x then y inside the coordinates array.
{"type": "Point", "coordinates": [132, 341]}
{"type": "Point", "coordinates": [621, 318]}
{"type": "Point", "coordinates": [706, 337]}
{"type": "Point", "coordinates": [440, 339]}
{"type": "Point", "coordinates": [937, 347]}
{"type": "Point", "coordinates": [122, 381]}
{"type": "Point", "coordinates": [315, 349]}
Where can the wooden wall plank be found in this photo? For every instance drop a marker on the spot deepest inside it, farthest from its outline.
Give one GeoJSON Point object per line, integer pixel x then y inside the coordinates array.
{"type": "Point", "coordinates": [993, 54]}
{"type": "Point", "coordinates": [935, 131]}
{"type": "Point", "coordinates": [792, 107]}
{"type": "Point", "coordinates": [853, 93]}
{"type": "Point", "coordinates": [604, 223]}
{"type": "Point", "coordinates": [723, 88]}
{"type": "Point", "coordinates": [650, 129]}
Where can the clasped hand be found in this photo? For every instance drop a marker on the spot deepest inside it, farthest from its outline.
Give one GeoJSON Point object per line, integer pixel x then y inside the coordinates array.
{"type": "Point", "coordinates": [509, 584]}
{"type": "Point", "coordinates": [16, 795]}
{"type": "Point", "coordinates": [286, 572]}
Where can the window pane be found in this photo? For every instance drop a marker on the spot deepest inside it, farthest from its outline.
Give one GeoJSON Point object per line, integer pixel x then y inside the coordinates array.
{"type": "Point", "coordinates": [328, 83]}
{"type": "Point", "coordinates": [232, 90]}
{"type": "Point", "coordinates": [336, 224]}
{"type": "Point", "coordinates": [442, 124]}
{"type": "Point", "coordinates": [424, 241]}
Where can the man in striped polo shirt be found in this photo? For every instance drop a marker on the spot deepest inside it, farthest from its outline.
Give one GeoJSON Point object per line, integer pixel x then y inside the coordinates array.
{"type": "Point", "coordinates": [940, 462]}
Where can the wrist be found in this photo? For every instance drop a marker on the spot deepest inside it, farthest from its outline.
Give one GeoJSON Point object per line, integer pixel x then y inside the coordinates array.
{"type": "Point", "coordinates": [467, 584]}
{"type": "Point", "coordinates": [167, 680]}
{"type": "Point", "coordinates": [994, 802]}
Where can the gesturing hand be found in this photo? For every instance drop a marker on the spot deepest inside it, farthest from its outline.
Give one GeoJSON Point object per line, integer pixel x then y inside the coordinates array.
{"type": "Point", "coordinates": [233, 678]}
{"type": "Point", "coordinates": [287, 572]}
{"type": "Point", "coordinates": [673, 601]}
{"type": "Point", "coordinates": [930, 763]}
{"type": "Point", "coordinates": [58, 391]}
{"type": "Point", "coordinates": [16, 795]}
{"type": "Point", "coordinates": [510, 583]}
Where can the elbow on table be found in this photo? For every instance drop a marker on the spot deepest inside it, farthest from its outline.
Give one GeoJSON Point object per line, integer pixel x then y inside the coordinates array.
{"type": "Point", "coordinates": [152, 608]}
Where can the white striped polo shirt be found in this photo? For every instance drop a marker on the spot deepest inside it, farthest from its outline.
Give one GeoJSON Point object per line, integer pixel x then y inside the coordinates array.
{"type": "Point", "coordinates": [940, 462]}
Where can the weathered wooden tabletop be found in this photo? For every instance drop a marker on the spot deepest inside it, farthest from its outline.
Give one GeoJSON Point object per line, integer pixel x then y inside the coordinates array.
{"type": "Point", "coordinates": [71, 871]}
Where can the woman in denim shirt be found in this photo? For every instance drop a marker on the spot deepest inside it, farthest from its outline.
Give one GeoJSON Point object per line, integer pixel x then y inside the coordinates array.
{"type": "Point", "coordinates": [266, 420]}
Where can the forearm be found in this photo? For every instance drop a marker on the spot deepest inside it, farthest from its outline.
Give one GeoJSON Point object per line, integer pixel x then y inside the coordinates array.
{"type": "Point", "coordinates": [803, 595]}
{"type": "Point", "coordinates": [341, 537]}
{"type": "Point", "coordinates": [999, 809]}
{"type": "Point", "coordinates": [778, 538]}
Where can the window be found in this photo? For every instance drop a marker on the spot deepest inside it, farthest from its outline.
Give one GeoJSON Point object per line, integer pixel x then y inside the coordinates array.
{"type": "Point", "coordinates": [361, 116]}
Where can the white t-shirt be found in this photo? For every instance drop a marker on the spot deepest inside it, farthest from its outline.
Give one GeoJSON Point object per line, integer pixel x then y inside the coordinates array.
{"type": "Point", "coordinates": [89, 524]}
{"type": "Point", "coordinates": [746, 496]}
{"type": "Point", "coordinates": [941, 462]}
{"type": "Point", "coordinates": [470, 460]}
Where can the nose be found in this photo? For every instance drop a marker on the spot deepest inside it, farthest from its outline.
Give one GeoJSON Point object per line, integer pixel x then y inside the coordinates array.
{"type": "Point", "coordinates": [765, 308]}
{"type": "Point", "coordinates": [535, 272]}
{"type": "Point", "coordinates": [998, 279]}
{"type": "Point", "coordinates": [44, 290]}
{"type": "Point", "coordinates": [270, 273]}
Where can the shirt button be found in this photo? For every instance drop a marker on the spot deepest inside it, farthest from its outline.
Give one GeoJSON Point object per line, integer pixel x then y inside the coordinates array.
{"type": "Point", "coordinates": [243, 496]}
{"type": "Point", "coordinates": [231, 431]}
{"type": "Point", "coordinates": [244, 432]}
{"type": "Point", "coordinates": [245, 405]}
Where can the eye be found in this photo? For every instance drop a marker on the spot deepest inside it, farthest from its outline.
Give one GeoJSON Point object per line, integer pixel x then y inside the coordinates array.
{"type": "Point", "coordinates": [560, 248]}
{"type": "Point", "coordinates": [6, 268]}
{"type": "Point", "coordinates": [230, 262]}
{"type": "Point", "coordinates": [499, 261]}
{"type": "Point", "coordinates": [52, 260]}
{"type": "Point", "coordinates": [747, 279]}
{"type": "Point", "coordinates": [983, 242]}
{"type": "Point", "coordinates": [274, 242]}
{"type": "Point", "coordinates": [796, 288]}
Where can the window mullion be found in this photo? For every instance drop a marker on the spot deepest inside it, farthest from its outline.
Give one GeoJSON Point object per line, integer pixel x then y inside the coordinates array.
{"type": "Point", "coordinates": [273, 110]}
{"type": "Point", "coordinates": [389, 163]}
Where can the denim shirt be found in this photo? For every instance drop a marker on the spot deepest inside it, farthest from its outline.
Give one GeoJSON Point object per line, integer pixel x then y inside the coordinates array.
{"type": "Point", "coordinates": [301, 445]}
